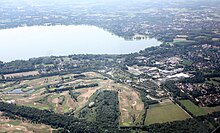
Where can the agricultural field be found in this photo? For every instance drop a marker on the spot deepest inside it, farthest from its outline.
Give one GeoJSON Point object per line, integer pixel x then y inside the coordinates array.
{"type": "Point", "coordinates": [166, 111]}
{"type": "Point", "coordinates": [194, 109]}
{"type": "Point", "coordinates": [211, 109]}
{"type": "Point", "coordinates": [21, 126]}
{"type": "Point", "coordinates": [22, 74]}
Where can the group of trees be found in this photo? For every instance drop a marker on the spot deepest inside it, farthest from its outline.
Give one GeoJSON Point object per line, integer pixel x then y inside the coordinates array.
{"type": "Point", "coordinates": [187, 126]}
{"type": "Point", "coordinates": [11, 84]}
{"type": "Point", "coordinates": [67, 123]}
{"type": "Point", "coordinates": [79, 76]}
{"type": "Point", "coordinates": [74, 95]}
{"type": "Point", "coordinates": [107, 109]}
{"type": "Point", "coordinates": [42, 60]}
{"type": "Point", "coordinates": [69, 88]}
{"type": "Point", "coordinates": [104, 111]}
{"type": "Point", "coordinates": [198, 78]}
{"type": "Point", "coordinates": [171, 87]}
{"type": "Point", "coordinates": [86, 86]}
{"type": "Point", "coordinates": [16, 66]}
{"type": "Point", "coordinates": [212, 75]}
{"type": "Point", "coordinates": [145, 100]}
{"type": "Point", "coordinates": [56, 65]}
{"type": "Point", "coordinates": [143, 96]}
{"type": "Point", "coordinates": [59, 90]}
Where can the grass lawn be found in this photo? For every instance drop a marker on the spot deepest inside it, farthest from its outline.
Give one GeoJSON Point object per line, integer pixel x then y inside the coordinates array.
{"type": "Point", "coordinates": [194, 109]}
{"type": "Point", "coordinates": [14, 122]}
{"type": "Point", "coordinates": [66, 59]}
{"type": "Point", "coordinates": [182, 42]}
{"type": "Point", "coordinates": [7, 97]}
{"type": "Point", "coordinates": [211, 109]}
{"type": "Point", "coordinates": [187, 62]}
{"type": "Point", "coordinates": [165, 113]}
{"type": "Point", "coordinates": [38, 106]}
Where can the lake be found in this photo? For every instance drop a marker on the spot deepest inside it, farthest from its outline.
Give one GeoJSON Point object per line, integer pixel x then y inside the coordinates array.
{"type": "Point", "coordinates": [36, 41]}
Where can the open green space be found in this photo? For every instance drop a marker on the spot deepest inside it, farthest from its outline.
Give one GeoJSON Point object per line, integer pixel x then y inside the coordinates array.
{"type": "Point", "coordinates": [14, 122]}
{"type": "Point", "coordinates": [211, 109]}
{"type": "Point", "coordinates": [164, 113]}
{"type": "Point", "coordinates": [194, 109]}
{"type": "Point", "coordinates": [41, 107]}
{"type": "Point", "coordinates": [187, 62]}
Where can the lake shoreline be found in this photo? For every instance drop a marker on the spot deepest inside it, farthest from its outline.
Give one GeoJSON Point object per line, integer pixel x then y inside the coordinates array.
{"type": "Point", "coordinates": [60, 40]}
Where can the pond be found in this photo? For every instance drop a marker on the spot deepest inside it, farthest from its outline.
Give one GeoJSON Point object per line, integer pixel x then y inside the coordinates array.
{"type": "Point", "coordinates": [36, 41]}
{"type": "Point", "coordinates": [19, 91]}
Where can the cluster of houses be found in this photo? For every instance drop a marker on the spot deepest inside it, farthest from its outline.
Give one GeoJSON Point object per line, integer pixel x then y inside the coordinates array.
{"type": "Point", "coordinates": [167, 68]}
{"type": "Point", "coordinates": [204, 57]}
{"type": "Point", "coordinates": [209, 100]}
{"type": "Point", "coordinates": [200, 93]}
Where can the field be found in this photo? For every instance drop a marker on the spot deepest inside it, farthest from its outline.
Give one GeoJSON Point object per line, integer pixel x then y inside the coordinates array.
{"type": "Point", "coordinates": [211, 109]}
{"type": "Point", "coordinates": [18, 126]}
{"type": "Point", "coordinates": [164, 112]}
{"type": "Point", "coordinates": [31, 73]}
{"type": "Point", "coordinates": [187, 62]}
{"type": "Point", "coordinates": [195, 110]}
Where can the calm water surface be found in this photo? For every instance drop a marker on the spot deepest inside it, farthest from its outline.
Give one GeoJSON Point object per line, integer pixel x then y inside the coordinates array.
{"type": "Point", "coordinates": [36, 41]}
{"type": "Point", "coordinates": [19, 91]}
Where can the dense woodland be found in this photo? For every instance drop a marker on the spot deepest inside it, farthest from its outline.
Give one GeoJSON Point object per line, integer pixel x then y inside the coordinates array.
{"type": "Point", "coordinates": [16, 66]}
{"type": "Point", "coordinates": [103, 109]}
{"type": "Point", "coordinates": [107, 109]}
